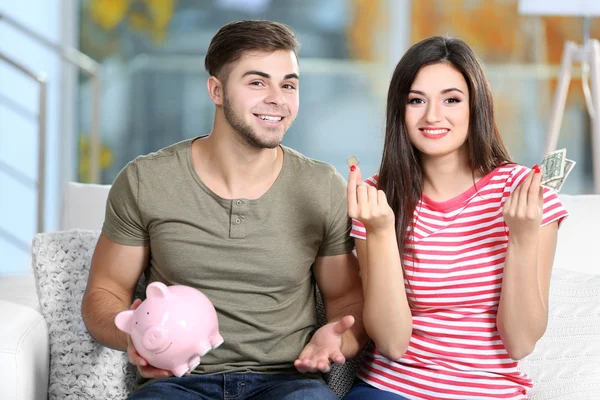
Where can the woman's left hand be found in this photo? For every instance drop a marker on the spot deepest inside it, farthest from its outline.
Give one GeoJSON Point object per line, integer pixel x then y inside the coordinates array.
{"type": "Point", "coordinates": [523, 209]}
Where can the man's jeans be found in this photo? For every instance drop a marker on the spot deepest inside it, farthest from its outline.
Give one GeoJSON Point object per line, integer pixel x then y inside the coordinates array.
{"type": "Point", "coordinates": [235, 387]}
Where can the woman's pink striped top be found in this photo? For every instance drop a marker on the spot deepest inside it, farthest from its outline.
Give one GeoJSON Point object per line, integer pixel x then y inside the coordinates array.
{"type": "Point", "coordinates": [454, 280]}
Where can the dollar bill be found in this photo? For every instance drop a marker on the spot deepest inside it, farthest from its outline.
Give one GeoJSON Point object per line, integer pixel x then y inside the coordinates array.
{"type": "Point", "coordinates": [553, 166]}
{"type": "Point", "coordinates": [558, 183]}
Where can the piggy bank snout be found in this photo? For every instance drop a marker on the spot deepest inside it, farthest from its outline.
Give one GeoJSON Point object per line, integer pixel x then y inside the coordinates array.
{"type": "Point", "coordinates": [154, 338]}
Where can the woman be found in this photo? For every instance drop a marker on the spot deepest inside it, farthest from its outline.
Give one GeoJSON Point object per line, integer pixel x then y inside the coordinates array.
{"type": "Point", "coordinates": [455, 241]}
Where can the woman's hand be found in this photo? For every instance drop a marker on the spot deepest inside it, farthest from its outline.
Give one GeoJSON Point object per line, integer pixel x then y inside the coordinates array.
{"type": "Point", "coordinates": [523, 208]}
{"type": "Point", "coordinates": [368, 205]}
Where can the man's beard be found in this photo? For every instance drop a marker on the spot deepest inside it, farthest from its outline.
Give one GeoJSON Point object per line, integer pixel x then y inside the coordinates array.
{"type": "Point", "coordinates": [245, 131]}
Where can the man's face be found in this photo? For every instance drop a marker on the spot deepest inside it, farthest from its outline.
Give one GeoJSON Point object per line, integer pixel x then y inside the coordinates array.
{"type": "Point", "coordinates": [261, 97]}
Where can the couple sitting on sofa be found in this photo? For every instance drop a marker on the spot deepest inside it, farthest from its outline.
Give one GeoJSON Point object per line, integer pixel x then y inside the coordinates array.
{"type": "Point", "coordinates": [449, 298]}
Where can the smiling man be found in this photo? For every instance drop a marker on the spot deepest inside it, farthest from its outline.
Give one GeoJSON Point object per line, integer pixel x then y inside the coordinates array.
{"type": "Point", "coordinates": [250, 223]}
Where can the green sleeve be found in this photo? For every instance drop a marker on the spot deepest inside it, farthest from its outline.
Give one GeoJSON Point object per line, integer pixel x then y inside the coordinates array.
{"type": "Point", "coordinates": [338, 225]}
{"type": "Point", "coordinates": [123, 221]}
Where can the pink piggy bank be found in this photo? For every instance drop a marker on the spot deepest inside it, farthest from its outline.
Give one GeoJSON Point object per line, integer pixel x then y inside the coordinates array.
{"type": "Point", "coordinates": [173, 327]}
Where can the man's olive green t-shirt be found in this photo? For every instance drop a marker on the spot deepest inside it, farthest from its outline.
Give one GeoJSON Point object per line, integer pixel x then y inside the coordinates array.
{"type": "Point", "coordinates": [252, 258]}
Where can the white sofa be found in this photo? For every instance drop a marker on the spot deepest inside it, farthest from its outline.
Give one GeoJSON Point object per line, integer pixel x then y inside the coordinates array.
{"type": "Point", "coordinates": [24, 340]}
{"type": "Point", "coordinates": [564, 365]}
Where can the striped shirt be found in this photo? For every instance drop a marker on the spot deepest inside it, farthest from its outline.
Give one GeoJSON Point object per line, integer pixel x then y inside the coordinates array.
{"type": "Point", "coordinates": [454, 278]}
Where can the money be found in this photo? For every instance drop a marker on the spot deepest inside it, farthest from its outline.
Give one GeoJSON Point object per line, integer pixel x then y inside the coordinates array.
{"type": "Point", "coordinates": [555, 168]}
{"type": "Point", "coordinates": [557, 184]}
{"type": "Point", "coordinates": [352, 160]}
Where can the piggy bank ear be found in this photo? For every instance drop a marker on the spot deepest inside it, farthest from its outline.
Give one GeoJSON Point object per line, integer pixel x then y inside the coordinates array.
{"type": "Point", "coordinates": [157, 290]}
{"type": "Point", "coordinates": [123, 319]}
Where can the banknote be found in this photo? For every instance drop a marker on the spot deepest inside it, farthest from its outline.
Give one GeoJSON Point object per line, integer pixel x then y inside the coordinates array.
{"type": "Point", "coordinates": [553, 166]}
{"type": "Point", "coordinates": [558, 183]}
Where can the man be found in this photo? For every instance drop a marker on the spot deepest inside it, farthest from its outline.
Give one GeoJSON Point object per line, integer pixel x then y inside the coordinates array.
{"type": "Point", "coordinates": [248, 222]}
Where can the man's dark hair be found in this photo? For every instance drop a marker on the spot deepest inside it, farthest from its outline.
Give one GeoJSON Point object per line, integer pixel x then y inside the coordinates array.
{"type": "Point", "coordinates": [235, 38]}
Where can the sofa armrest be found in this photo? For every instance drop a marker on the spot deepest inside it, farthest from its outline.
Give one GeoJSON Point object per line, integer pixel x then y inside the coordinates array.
{"type": "Point", "coordinates": [24, 353]}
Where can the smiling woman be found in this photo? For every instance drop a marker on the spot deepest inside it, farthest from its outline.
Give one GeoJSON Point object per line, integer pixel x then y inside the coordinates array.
{"type": "Point", "coordinates": [456, 241]}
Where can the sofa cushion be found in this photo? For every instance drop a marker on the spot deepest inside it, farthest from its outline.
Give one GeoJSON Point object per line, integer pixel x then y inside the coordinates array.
{"type": "Point", "coordinates": [578, 234]}
{"type": "Point", "coordinates": [23, 352]}
{"type": "Point", "coordinates": [566, 361]}
{"type": "Point", "coordinates": [83, 206]}
{"type": "Point", "coordinates": [80, 368]}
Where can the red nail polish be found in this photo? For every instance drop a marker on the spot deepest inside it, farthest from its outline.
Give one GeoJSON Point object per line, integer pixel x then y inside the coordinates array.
{"type": "Point", "coordinates": [353, 168]}
{"type": "Point", "coordinates": [536, 168]}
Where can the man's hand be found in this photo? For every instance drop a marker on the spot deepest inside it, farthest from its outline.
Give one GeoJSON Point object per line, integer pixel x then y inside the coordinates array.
{"type": "Point", "coordinates": [146, 370]}
{"type": "Point", "coordinates": [324, 347]}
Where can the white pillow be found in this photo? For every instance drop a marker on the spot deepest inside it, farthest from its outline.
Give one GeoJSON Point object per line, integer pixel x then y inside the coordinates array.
{"type": "Point", "coordinates": [578, 235]}
{"type": "Point", "coordinates": [83, 206]}
{"type": "Point", "coordinates": [566, 361]}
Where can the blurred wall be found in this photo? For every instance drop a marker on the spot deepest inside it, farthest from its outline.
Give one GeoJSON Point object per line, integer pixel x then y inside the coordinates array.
{"type": "Point", "coordinates": [154, 84]}
{"type": "Point", "coordinates": [522, 55]}
{"type": "Point", "coordinates": [19, 128]}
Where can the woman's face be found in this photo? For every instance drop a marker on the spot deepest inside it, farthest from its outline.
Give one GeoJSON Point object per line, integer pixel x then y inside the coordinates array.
{"type": "Point", "coordinates": [437, 113]}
